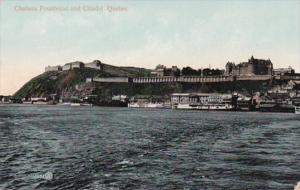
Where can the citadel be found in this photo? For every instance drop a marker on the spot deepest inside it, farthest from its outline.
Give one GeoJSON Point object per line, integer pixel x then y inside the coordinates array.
{"type": "Point", "coordinates": [253, 69]}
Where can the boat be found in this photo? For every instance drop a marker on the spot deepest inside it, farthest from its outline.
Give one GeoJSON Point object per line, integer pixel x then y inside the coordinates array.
{"type": "Point", "coordinates": [203, 107]}
{"type": "Point", "coordinates": [273, 106]}
{"type": "Point", "coordinates": [134, 105]}
{"type": "Point", "coordinates": [80, 104]}
{"type": "Point", "coordinates": [86, 104]}
{"type": "Point", "coordinates": [145, 105]}
{"type": "Point", "coordinates": [75, 104]}
{"type": "Point", "coordinates": [64, 104]}
{"type": "Point", "coordinates": [40, 103]}
{"type": "Point", "coordinates": [297, 110]}
{"type": "Point", "coordinates": [26, 102]}
{"type": "Point", "coordinates": [154, 105]}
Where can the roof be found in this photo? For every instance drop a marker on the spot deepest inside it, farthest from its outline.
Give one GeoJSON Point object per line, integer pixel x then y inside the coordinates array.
{"type": "Point", "coordinates": [75, 62]}
{"type": "Point", "coordinates": [197, 94]}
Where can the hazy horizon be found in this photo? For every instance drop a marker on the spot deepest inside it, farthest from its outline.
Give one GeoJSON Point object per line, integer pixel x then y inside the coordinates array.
{"type": "Point", "coordinates": [199, 34]}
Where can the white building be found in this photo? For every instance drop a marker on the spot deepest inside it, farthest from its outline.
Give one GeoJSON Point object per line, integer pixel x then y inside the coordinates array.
{"type": "Point", "coordinates": [73, 65]}
{"type": "Point", "coordinates": [94, 65]}
{"type": "Point", "coordinates": [282, 71]}
{"type": "Point", "coordinates": [201, 101]}
{"type": "Point", "coordinates": [66, 67]}
{"type": "Point", "coordinates": [53, 68]}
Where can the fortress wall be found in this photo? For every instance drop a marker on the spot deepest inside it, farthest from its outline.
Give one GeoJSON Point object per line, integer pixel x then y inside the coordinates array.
{"type": "Point", "coordinates": [183, 79]}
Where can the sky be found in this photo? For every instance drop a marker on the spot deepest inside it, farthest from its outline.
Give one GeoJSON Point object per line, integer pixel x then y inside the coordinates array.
{"type": "Point", "coordinates": [200, 34]}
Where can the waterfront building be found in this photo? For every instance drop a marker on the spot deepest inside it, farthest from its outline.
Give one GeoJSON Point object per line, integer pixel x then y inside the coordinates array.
{"type": "Point", "coordinates": [251, 68]}
{"type": "Point", "coordinates": [53, 68]}
{"type": "Point", "coordinates": [204, 101]}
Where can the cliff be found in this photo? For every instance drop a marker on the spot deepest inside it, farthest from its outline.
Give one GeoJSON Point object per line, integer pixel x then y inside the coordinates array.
{"type": "Point", "coordinates": [72, 83]}
{"type": "Point", "coordinates": [54, 82]}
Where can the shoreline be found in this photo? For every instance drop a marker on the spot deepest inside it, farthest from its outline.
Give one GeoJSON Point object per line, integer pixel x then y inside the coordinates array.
{"type": "Point", "coordinates": [141, 108]}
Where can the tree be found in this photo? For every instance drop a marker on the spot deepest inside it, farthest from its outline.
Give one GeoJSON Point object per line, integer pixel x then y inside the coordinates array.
{"type": "Point", "coordinates": [188, 71]}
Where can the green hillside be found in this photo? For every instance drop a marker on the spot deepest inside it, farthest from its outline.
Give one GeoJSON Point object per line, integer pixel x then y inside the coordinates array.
{"type": "Point", "coordinates": [54, 82]}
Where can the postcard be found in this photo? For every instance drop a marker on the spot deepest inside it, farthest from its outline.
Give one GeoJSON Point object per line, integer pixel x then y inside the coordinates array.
{"type": "Point", "coordinates": [148, 94]}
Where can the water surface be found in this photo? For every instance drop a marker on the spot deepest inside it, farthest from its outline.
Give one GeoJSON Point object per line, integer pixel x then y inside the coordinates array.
{"type": "Point", "coordinates": [122, 148]}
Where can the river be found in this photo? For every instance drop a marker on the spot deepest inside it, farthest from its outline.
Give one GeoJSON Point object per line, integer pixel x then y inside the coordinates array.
{"type": "Point", "coordinates": [57, 147]}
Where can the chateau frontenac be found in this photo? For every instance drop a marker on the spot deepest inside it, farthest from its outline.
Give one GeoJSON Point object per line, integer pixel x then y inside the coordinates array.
{"type": "Point", "coordinates": [250, 68]}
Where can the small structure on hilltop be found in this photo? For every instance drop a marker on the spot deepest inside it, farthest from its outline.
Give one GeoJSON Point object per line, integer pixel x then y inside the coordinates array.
{"type": "Point", "coordinates": [53, 68]}
{"type": "Point", "coordinates": [73, 65]}
{"type": "Point", "coordinates": [96, 64]}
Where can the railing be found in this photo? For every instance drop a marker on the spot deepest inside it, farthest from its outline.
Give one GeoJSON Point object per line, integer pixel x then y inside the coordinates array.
{"type": "Point", "coordinates": [185, 79]}
{"type": "Point", "coordinates": [254, 78]}
{"type": "Point", "coordinates": [182, 79]}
